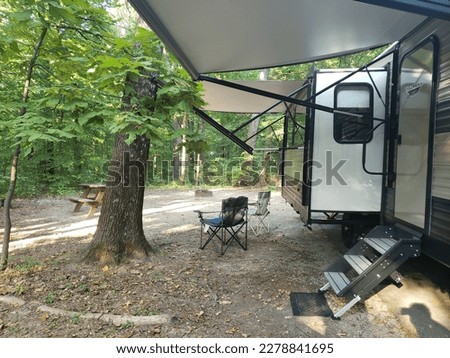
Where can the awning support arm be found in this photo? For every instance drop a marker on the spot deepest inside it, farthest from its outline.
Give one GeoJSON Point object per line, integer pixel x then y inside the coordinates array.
{"type": "Point", "coordinates": [275, 135]}
{"type": "Point", "coordinates": [263, 93]}
{"type": "Point", "coordinates": [375, 86]}
{"type": "Point", "coordinates": [362, 68]}
{"type": "Point", "coordinates": [223, 130]}
{"type": "Point", "coordinates": [281, 97]}
{"type": "Point", "coordinates": [263, 129]}
{"type": "Point", "coordinates": [267, 110]}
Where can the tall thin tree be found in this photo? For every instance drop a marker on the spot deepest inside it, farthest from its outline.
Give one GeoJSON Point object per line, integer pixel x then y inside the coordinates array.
{"type": "Point", "coordinates": [15, 159]}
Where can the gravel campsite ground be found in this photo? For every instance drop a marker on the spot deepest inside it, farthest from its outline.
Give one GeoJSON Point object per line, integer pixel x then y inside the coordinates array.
{"type": "Point", "coordinates": [181, 291]}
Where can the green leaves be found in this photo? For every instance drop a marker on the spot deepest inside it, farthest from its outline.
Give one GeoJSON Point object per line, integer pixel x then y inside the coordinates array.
{"type": "Point", "coordinates": [32, 127]}
{"type": "Point", "coordinates": [112, 62]}
{"type": "Point", "coordinates": [78, 86]}
{"type": "Point", "coordinates": [66, 14]}
{"type": "Point", "coordinates": [21, 15]}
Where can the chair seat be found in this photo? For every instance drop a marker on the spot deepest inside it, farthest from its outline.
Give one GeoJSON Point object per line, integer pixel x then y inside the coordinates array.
{"type": "Point", "coordinates": [213, 221]}
{"type": "Point", "coordinates": [220, 222]}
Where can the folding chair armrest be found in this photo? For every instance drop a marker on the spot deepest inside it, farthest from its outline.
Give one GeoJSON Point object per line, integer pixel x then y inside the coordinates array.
{"type": "Point", "coordinates": [200, 213]}
{"type": "Point", "coordinates": [207, 212]}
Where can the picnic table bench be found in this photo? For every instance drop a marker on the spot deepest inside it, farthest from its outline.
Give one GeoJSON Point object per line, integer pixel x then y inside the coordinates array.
{"type": "Point", "coordinates": [92, 195]}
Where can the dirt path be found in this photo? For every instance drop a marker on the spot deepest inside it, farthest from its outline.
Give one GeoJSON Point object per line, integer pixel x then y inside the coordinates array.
{"type": "Point", "coordinates": [195, 293]}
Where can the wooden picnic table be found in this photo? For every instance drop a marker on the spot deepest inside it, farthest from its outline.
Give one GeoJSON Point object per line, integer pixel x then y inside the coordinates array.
{"type": "Point", "coordinates": [92, 195]}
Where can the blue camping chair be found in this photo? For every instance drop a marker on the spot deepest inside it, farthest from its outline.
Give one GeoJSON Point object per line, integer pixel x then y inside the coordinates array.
{"type": "Point", "coordinates": [226, 226]}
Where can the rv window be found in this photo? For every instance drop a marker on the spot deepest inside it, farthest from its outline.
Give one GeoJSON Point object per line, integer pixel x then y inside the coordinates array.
{"type": "Point", "coordinates": [353, 98]}
{"type": "Point", "coordinates": [295, 128]}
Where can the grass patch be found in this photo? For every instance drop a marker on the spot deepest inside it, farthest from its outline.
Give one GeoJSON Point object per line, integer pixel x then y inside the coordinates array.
{"type": "Point", "coordinates": [27, 265]}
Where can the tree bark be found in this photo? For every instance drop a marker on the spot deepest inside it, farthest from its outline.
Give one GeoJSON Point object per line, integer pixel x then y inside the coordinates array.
{"type": "Point", "coordinates": [199, 156]}
{"type": "Point", "coordinates": [120, 234]}
{"type": "Point", "coordinates": [253, 126]}
{"type": "Point", "coordinates": [183, 152]}
{"type": "Point", "coordinates": [264, 170]}
{"type": "Point", "coordinates": [7, 209]}
{"type": "Point", "coordinates": [252, 130]}
{"type": "Point", "coordinates": [176, 154]}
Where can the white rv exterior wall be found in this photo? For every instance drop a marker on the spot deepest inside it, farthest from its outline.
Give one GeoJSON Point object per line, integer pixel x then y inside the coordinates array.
{"type": "Point", "coordinates": [361, 192]}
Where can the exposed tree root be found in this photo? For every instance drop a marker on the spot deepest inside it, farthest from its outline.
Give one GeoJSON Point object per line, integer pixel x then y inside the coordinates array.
{"type": "Point", "coordinates": [117, 320]}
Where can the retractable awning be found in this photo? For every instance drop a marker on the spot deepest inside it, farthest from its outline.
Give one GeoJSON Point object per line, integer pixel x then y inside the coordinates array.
{"type": "Point", "coordinates": [227, 35]}
{"type": "Point", "coordinates": [225, 99]}
{"type": "Point", "coordinates": [221, 98]}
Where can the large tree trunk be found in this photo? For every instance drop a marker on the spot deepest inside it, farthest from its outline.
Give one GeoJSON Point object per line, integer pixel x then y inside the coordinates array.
{"type": "Point", "coordinates": [120, 232]}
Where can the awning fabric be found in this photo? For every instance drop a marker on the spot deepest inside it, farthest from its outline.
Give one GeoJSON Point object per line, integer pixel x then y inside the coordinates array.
{"type": "Point", "coordinates": [433, 8]}
{"type": "Point", "coordinates": [225, 99]}
{"type": "Point", "coordinates": [226, 35]}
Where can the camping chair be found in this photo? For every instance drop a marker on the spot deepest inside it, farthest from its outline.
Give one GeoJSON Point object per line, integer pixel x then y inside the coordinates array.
{"type": "Point", "coordinates": [257, 218]}
{"type": "Point", "coordinates": [231, 220]}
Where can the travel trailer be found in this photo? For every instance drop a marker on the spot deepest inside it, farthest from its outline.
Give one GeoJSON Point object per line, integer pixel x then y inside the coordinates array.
{"type": "Point", "coordinates": [393, 186]}
{"type": "Point", "coordinates": [397, 168]}
{"type": "Point", "coordinates": [372, 152]}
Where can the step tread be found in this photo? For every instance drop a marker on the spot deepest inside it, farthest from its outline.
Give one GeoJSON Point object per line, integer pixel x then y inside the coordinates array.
{"type": "Point", "coordinates": [380, 244]}
{"type": "Point", "coordinates": [358, 262]}
{"type": "Point", "coordinates": [337, 280]}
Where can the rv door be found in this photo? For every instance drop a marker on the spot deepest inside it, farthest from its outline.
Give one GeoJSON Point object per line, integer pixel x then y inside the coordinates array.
{"type": "Point", "coordinates": [412, 166]}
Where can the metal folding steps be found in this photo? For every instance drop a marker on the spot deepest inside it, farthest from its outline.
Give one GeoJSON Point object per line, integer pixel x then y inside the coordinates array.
{"type": "Point", "coordinates": [369, 262]}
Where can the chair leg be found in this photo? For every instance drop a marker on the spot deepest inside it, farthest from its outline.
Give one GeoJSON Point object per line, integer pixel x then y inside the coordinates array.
{"type": "Point", "coordinates": [255, 225]}
{"type": "Point", "coordinates": [246, 228]}
{"type": "Point", "coordinates": [254, 229]}
{"type": "Point", "coordinates": [263, 224]}
{"type": "Point", "coordinates": [212, 232]}
{"type": "Point", "coordinates": [234, 237]}
{"type": "Point", "coordinates": [260, 225]}
{"type": "Point", "coordinates": [223, 245]}
{"type": "Point", "coordinates": [225, 242]}
{"type": "Point", "coordinates": [201, 237]}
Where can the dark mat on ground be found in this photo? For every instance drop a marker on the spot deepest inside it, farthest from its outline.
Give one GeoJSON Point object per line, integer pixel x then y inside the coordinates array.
{"type": "Point", "coordinates": [310, 304]}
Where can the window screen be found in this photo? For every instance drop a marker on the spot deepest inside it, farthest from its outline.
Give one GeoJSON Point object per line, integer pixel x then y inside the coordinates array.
{"type": "Point", "coordinates": [353, 98]}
